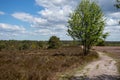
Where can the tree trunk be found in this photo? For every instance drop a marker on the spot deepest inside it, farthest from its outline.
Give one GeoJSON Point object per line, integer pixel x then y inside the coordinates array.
{"type": "Point", "coordinates": [85, 50]}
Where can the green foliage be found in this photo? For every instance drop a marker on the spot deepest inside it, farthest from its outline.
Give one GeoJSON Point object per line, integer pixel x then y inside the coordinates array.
{"type": "Point", "coordinates": [54, 42]}
{"type": "Point", "coordinates": [101, 42]}
{"type": "Point", "coordinates": [86, 24]}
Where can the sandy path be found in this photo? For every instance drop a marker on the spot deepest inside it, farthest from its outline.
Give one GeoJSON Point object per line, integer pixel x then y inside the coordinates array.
{"type": "Point", "coordinates": [104, 66]}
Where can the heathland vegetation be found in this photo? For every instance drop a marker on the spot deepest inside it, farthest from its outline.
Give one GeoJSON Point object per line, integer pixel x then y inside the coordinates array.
{"type": "Point", "coordinates": [35, 60]}
{"type": "Point", "coordinates": [20, 60]}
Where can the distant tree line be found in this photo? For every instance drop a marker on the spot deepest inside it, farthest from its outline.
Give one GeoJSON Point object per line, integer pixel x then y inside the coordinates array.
{"type": "Point", "coordinates": [22, 45]}
{"type": "Point", "coordinates": [53, 43]}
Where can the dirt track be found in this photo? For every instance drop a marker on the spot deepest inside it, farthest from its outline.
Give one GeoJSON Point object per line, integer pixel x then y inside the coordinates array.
{"type": "Point", "coordinates": [103, 69]}
{"type": "Point", "coordinates": [105, 65]}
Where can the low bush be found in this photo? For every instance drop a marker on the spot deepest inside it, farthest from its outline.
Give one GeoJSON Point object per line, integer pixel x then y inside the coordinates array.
{"type": "Point", "coordinates": [54, 42]}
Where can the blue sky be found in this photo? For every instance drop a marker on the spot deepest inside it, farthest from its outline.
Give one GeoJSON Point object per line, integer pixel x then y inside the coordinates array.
{"type": "Point", "coordinates": [40, 19]}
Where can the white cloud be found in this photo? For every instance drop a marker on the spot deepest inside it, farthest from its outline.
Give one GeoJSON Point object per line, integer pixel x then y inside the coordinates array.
{"type": "Point", "coordinates": [114, 32]}
{"type": "Point", "coordinates": [56, 3]}
{"type": "Point", "coordinates": [12, 28]}
{"type": "Point", "coordinates": [29, 18]}
{"type": "Point", "coordinates": [113, 18]}
{"type": "Point", "coordinates": [56, 10]}
{"type": "Point", "coordinates": [111, 22]}
{"type": "Point", "coordinates": [57, 14]}
{"type": "Point", "coordinates": [44, 32]}
{"type": "Point", "coordinates": [112, 29]}
{"type": "Point", "coordinates": [114, 15]}
{"type": "Point", "coordinates": [2, 13]}
{"type": "Point", "coordinates": [8, 31]}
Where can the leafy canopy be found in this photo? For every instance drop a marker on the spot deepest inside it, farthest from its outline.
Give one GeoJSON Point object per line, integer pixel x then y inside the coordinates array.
{"type": "Point", "coordinates": [86, 24]}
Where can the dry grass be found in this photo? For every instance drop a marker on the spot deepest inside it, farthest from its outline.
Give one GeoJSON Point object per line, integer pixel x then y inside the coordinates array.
{"type": "Point", "coordinates": [42, 66]}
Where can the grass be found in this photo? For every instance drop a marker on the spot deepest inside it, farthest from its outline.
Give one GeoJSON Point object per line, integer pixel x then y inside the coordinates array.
{"type": "Point", "coordinates": [41, 65]}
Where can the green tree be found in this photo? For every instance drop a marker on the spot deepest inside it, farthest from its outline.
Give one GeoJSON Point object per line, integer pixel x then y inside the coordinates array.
{"type": "Point", "coordinates": [54, 42]}
{"type": "Point", "coordinates": [86, 24]}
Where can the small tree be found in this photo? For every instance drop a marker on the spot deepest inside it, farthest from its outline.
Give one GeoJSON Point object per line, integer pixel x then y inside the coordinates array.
{"type": "Point", "coordinates": [86, 24]}
{"type": "Point", "coordinates": [54, 42]}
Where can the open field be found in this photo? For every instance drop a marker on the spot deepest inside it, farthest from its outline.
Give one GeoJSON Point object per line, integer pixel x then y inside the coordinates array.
{"type": "Point", "coordinates": [41, 64]}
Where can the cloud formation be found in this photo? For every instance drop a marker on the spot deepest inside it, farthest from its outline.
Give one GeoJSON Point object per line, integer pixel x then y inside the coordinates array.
{"type": "Point", "coordinates": [56, 13]}
{"type": "Point", "coordinates": [11, 28]}
{"type": "Point", "coordinates": [8, 30]}
{"type": "Point", "coordinates": [52, 19]}
{"type": "Point", "coordinates": [29, 18]}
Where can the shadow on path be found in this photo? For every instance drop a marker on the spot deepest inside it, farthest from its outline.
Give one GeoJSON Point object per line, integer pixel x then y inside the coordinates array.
{"type": "Point", "coordinates": [102, 77]}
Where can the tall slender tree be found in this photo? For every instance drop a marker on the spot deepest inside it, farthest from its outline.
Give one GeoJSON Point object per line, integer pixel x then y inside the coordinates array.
{"type": "Point", "coordinates": [86, 24]}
